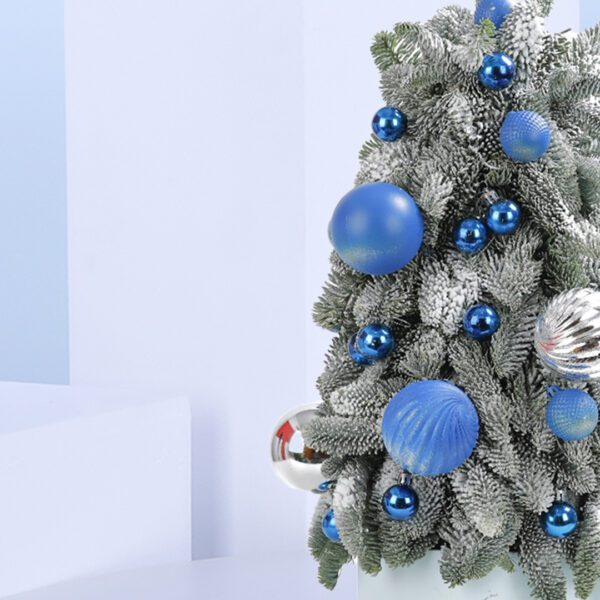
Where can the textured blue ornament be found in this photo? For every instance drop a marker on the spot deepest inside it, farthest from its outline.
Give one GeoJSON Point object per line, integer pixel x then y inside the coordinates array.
{"type": "Point", "coordinates": [329, 527]}
{"type": "Point", "coordinates": [400, 502]}
{"type": "Point", "coordinates": [503, 217]}
{"type": "Point", "coordinates": [572, 415]}
{"type": "Point", "coordinates": [470, 236]}
{"type": "Point", "coordinates": [525, 136]}
{"type": "Point", "coordinates": [560, 521]}
{"type": "Point", "coordinates": [430, 427]}
{"type": "Point", "coordinates": [374, 342]}
{"type": "Point", "coordinates": [355, 355]}
{"type": "Point", "coordinates": [481, 321]}
{"type": "Point", "coordinates": [377, 228]}
{"type": "Point", "coordinates": [494, 10]}
{"type": "Point", "coordinates": [497, 71]}
{"type": "Point", "coordinates": [389, 124]}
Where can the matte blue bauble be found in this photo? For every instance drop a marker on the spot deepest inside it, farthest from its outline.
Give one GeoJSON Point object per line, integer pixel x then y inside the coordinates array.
{"type": "Point", "coordinates": [494, 10]}
{"type": "Point", "coordinates": [497, 71]}
{"type": "Point", "coordinates": [329, 527]}
{"type": "Point", "coordinates": [572, 415]}
{"type": "Point", "coordinates": [525, 136]}
{"type": "Point", "coordinates": [355, 355]}
{"type": "Point", "coordinates": [375, 342]}
{"type": "Point", "coordinates": [377, 228]}
{"type": "Point", "coordinates": [400, 502]}
{"type": "Point", "coordinates": [560, 521]}
{"type": "Point", "coordinates": [470, 236]}
{"type": "Point", "coordinates": [430, 427]}
{"type": "Point", "coordinates": [481, 321]}
{"type": "Point", "coordinates": [389, 124]}
{"type": "Point", "coordinates": [503, 217]}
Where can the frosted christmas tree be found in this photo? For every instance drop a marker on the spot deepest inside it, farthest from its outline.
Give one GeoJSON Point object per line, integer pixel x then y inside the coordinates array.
{"type": "Point", "coordinates": [459, 400]}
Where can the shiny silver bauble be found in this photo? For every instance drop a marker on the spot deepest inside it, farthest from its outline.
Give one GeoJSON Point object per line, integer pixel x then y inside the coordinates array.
{"type": "Point", "coordinates": [296, 464]}
{"type": "Point", "coordinates": [567, 336]}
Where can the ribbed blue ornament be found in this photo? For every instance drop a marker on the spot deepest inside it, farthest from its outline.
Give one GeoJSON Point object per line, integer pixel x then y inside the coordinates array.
{"type": "Point", "coordinates": [497, 71]}
{"type": "Point", "coordinates": [494, 10]}
{"type": "Point", "coordinates": [377, 228]}
{"type": "Point", "coordinates": [374, 342]}
{"type": "Point", "coordinates": [355, 355]}
{"type": "Point", "coordinates": [572, 415]}
{"type": "Point", "coordinates": [503, 217]}
{"type": "Point", "coordinates": [329, 527]}
{"type": "Point", "coordinates": [481, 321]}
{"type": "Point", "coordinates": [525, 136]}
{"type": "Point", "coordinates": [470, 236]}
{"type": "Point", "coordinates": [430, 427]}
{"type": "Point", "coordinates": [400, 502]}
{"type": "Point", "coordinates": [389, 124]}
{"type": "Point", "coordinates": [560, 521]}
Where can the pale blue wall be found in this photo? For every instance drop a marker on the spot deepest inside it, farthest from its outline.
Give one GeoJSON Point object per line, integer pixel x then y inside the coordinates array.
{"type": "Point", "coordinates": [590, 13]}
{"type": "Point", "coordinates": [33, 208]}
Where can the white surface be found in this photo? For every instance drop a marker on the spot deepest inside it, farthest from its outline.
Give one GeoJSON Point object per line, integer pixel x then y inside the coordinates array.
{"type": "Point", "coordinates": [281, 578]}
{"type": "Point", "coordinates": [91, 482]}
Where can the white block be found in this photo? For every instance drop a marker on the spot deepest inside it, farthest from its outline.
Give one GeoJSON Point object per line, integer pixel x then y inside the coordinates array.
{"type": "Point", "coordinates": [91, 481]}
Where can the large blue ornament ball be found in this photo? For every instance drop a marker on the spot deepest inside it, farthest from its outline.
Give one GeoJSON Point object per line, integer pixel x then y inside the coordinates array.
{"type": "Point", "coordinates": [389, 124]}
{"type": "Point", "coordinates": [560, 521]}
{"type": "Point", "coordinates": [497, 71]}
{"type": "Point", "coordinates": [375, 342]}
{"type": "Point", "coordinates": [503, 217]}
{"type": "Point", "coordinates": [400, 502]}
{"type": "Point", "coordinates": [572, 415]}
{"type": "Point", "coordinates": [430, 428]}
{"type": "Point", "coordinates": [525, 136]}
{"type": "Point", "coordinates": [494, 10]}
{"type": "Point", "coordinates": [329, 527]}
{"type": "Point", "coordinates": [481, 321]}
{"type": "Point", "coordinates": [470, 236]}
{"type": "Point", "coordinates": [355, 355]}
{"type": "Point", "coordinates": [377, 228]}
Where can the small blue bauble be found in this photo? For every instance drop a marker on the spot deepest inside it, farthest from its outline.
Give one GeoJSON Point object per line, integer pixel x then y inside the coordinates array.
{"type": "Point", "coordinates": [470, 236]}
{"type": "Point", "coordinates": [389, 124]}
{"type": "Point", "coordinates": [430, 427]}
{"type": "Point", "coordinates": [325, 487]}
{"type": "Point", "coordinates": [481, 321]}
{"type": "Point", "coordinates": [374, 342]}
{"type": "Point", "coordinates": [503, 217]}
{"type": "Point", "coordinates": [355, 355]}
{"type": "Point", "coordinates": [525, 136]}
{"type": "Point", "coordinates": [400, 502]}
{"type": "Point", "coordinates": [329, 527]}
{"type": "Point", "coordinates": [560, 521]}
{"type": "Point", "coordinates": [572, 415]}
{"type": "Point", "coordinates": [377, 228]}
{"type": "Point", "coordinates": [497, 71]}
{"type": "Point", "coordinates": [494, 10]}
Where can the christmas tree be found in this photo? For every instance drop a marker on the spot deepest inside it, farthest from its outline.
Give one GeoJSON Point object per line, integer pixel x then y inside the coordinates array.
{"type": "Point", "coordinates": [459, 398]}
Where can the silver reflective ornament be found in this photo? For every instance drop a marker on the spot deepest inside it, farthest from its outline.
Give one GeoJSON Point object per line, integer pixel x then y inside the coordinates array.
{"type": "Point", "coordinates": [567, 335]}
{"type": "Point", "coordinates": [296, 464]}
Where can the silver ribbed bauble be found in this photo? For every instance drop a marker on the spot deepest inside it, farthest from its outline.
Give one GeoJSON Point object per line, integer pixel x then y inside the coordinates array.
{"type": "Point", "coordinates": [567, 335]}
{"type": "Point", "coordinates": [296, 464]}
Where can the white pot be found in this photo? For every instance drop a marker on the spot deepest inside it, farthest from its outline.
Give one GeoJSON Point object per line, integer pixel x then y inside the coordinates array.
{"type": "Point", "coordinates": [423, 581]}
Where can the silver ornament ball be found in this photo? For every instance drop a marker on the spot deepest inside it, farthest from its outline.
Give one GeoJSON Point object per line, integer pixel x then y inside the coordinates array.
{"type": "Point", "coordinates": [297, 465]}
{"type": "Point", "coordinates": [567, 335]}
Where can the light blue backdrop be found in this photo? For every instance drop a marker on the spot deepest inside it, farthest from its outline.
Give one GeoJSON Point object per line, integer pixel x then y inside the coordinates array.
{"type": "Point", "coordinates": [590, 13]}
{"type": "Point", "coordinates": [33, 208]}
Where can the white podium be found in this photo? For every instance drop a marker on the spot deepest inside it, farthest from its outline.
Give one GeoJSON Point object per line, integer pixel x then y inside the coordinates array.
{"type": "Point", "coordinates": [90, 481]}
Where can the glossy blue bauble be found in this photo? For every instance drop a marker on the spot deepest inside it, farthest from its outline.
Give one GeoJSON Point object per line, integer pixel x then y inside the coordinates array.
{"type": "Point", "coordinates": [355, 355]}
{"type": "Point", "coordinates": [470, 236]}
{"type": "Point", "coordinates": [325, 487]}
{"type": "Point", "coordinates": [494, 10]}
{"type": "Point", "coordinates": [525, 136]}
{"type": "Point", "coordinates": [560, 521]}
{"type": "Point", "coordinates": [572, 415]}
{"type": "Point", "coordinates": [400, 502]}
{"type": "Point", "coordinates": [430, 427]}
{"type": "Point", "coordinates": [389, 124]}
{"type": "Point", "coordinates": [377, 228]}
{"type": "Point", "coordinates": [481, 321]}
{"type": "Point", "coordinates": [497, 71]}
{"type": "Point", "coordinates": [503, 217]}
{"type": "Point", "coordinates": [329, 527]}
{"type": "Point", "coordinates": [374, 342]}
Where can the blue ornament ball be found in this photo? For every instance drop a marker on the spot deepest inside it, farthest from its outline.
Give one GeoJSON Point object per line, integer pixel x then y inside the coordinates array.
{"type": "Point", "coordinates": [494, 10]}
{"type": "Point", "coordinates": [572, 415]}
{"type": "Point", "coordinates": [389, 124]}
{"type": "Point", "coordinates": [497, 71]}
{"type": "Point", "coordinates": [355, 355]}
{"type": "Point", "coordinates": [504, 217]}
{"type": "Point", "coordinates": [430, 427]}
{"type": "Point", "coordinates": [560, 521]}
{"type": "Point", "coordinates": [325, 487]}
{"type": "Point", "coordinates": [329, 527]}
{"type": "Point", "coordinates": [400, 502]}
{"type": "Point", "coordinates": [375, 342]}
{"type": "Point", "coordinates": [470, 236]}
{"type": "Point", "coordinates": [481, 321]}
{"type": "Point", "coordinates": [525, 136]}
{"type": "Point", "coordinates": [377, 228]}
